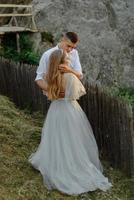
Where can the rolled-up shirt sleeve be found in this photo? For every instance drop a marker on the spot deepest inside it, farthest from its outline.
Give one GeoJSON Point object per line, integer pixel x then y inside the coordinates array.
{"type": "Point", "coordinates": [41, 69]}
{"type": "Point", "coordinates": [77, 64]}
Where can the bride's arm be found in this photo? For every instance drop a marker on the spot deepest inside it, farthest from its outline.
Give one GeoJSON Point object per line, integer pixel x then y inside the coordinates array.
{"type": "Point", "coordinates": [66, 69]}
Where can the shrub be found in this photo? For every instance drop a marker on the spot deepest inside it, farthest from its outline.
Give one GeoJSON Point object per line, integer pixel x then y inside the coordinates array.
{"type": "Point", "coordinates": [47, 36]}
{"type": "Point", "coordinates": [126, 93]}
{"type": "Point", "coordinates": [27, 55]}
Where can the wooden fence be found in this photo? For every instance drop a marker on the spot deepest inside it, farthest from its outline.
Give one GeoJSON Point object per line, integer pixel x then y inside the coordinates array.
{"type": "Point", "coordinates": [111, 118]}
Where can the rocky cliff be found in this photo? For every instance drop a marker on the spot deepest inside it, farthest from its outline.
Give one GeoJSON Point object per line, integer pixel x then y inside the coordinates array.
{"type": "Point", "coordinates": [106, 32]}
{"type": "Point", "coordinates": [105, 29]}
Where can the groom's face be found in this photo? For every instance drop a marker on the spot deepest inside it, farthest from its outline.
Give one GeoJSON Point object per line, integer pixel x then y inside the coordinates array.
{"type": "Point", "coordinates": [68, 45]}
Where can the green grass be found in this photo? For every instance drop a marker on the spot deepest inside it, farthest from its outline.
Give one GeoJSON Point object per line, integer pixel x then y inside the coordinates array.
{"type": "Point", "coordinates": [19, 137]}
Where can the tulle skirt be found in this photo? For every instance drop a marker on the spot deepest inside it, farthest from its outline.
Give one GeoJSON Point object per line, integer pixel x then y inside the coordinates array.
{"type": "Point", "coordinates": [67, 156]}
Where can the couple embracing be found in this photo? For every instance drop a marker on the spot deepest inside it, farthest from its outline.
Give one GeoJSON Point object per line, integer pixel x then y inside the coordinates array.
{"type": "Point", "coordinates": [67, 156]}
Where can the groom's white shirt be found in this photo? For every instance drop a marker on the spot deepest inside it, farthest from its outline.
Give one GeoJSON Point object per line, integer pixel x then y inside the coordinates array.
{"type": "Point", "coordinates": [44, 61]}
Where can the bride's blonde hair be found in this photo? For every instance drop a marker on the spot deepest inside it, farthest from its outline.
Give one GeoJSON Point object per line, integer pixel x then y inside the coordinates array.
{"type": "Point", "coordinates": [54, 77]}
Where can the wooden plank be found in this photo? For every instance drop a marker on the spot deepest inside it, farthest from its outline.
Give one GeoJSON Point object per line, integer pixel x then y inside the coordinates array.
{"type": "Point", "coordinates": [15, 14]}
{"type": "Point", "coordinates": [18, 42]}
{"type": "Point", "coordinates": [6, 29]}
{"type": "Point", "coordinates": [14, 6]}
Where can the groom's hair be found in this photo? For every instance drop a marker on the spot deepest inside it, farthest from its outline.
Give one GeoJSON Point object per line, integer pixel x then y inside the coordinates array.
{"type": "Point", "coordinates": [73, 37]}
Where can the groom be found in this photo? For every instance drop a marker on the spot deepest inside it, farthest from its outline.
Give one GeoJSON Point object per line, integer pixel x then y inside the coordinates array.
{"type": "Point", "coordinates": [67, 43]}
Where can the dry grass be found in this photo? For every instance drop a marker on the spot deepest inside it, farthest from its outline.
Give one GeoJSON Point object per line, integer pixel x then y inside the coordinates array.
{"type": "Point", "coordinates": [19, 136]}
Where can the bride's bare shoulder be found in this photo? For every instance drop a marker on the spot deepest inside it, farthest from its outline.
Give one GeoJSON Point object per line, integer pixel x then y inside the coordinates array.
{"type": "Point", "coordinates": [69, 76]}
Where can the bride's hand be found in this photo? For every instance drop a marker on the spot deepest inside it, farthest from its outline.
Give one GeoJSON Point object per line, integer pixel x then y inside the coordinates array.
{"type": "Point", "coordinates": [64, 68]}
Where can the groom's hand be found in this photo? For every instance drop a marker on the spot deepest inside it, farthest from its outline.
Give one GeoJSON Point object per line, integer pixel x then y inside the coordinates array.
{"type": "Point", "coordinates": [64, 68]}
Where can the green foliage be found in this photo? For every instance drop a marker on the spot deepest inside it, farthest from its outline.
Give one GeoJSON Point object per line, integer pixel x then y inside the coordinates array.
{"type": "Point", "coordinates": [27, 55]}
{"type": "Point", "coordinates": [47, 36]}
{"type": "Point", "coordinates": [126, 93]}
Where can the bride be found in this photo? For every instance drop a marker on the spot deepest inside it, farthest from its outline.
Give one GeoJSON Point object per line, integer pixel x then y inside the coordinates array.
{"type": "Point", "coordinates": [67, 156]}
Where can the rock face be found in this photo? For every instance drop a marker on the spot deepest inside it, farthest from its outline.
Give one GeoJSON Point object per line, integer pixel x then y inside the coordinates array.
{"type": "Point", "coordinates": [105, 29]}
{"type": "Point", "coordinates": [106, 32]}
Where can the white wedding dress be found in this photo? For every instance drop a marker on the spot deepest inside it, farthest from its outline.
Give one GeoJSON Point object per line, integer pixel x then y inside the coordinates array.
{"type": "Point", "coordinates": [67, 156]}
